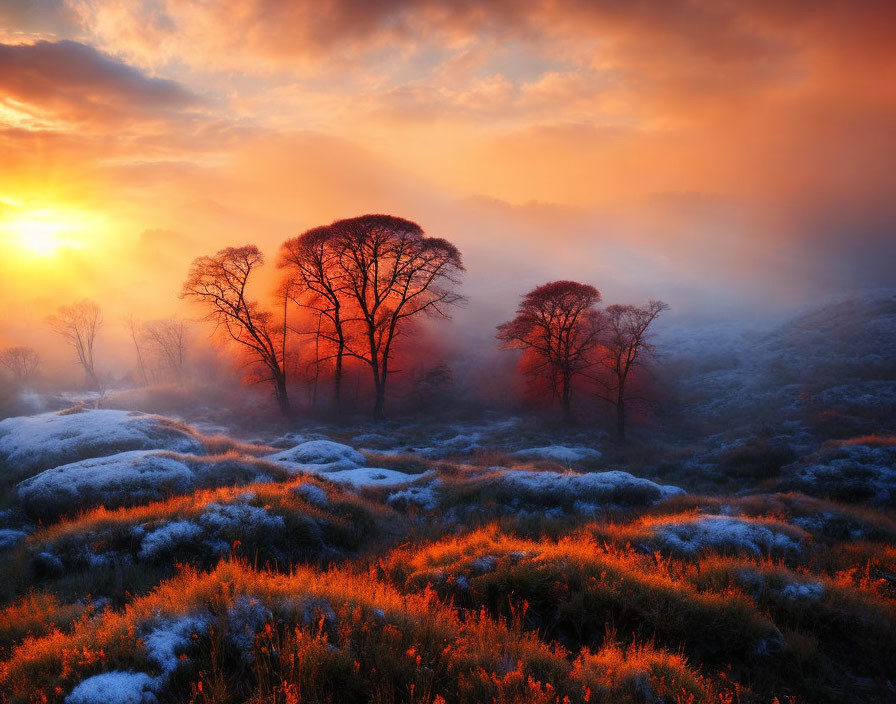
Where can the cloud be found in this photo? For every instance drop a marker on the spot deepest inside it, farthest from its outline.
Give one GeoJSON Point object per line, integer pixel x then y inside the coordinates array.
{"type": "Point", "coordinates": [74, 83]}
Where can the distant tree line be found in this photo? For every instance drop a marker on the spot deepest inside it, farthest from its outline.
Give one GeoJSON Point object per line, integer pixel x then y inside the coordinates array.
{"type": "Point", "coordinates": [349, 292]}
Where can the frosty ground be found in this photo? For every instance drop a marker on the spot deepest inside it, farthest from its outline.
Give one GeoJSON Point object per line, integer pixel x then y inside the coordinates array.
{"type": "Point", "coordinates": [742, 550]}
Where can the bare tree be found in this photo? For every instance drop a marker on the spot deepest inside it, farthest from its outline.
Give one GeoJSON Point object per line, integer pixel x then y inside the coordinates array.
{"type": "Point", "coordinates": [558, 323]}
{"type": "Point", "coordinates": [313, 280]}
{"type": "Point", "coordinates": [390, 272]}
{"type": "Point", "coordinates": [219, 283]}
{"type": "Point", "coordinates": [79, 324]}
{"type": "Point", "coordinates": [623, 349]}
{"type": "Point", "coordinates": [22, 364]}
{"type": "Point", "coordinates": [136, 332]}
{"type": "Point", "coordinates": [166, 342]}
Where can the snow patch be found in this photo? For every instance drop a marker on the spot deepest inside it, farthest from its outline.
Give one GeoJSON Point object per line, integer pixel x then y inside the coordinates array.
{"type": "Point", "coordinates": [126, 478]}
{"type": "Point", "coordinates": [373, 476]}
{"type": "Point", "coordinates": [319, 456]}
{"type": "Point", "coordinates": [167, 538]}
{"type": "Point", "coordinates": [170, 637]}
{"type": "Point", "coordinates": [591, 490]}
{"type": "Point", "coordinates": [724, 534]}
{"type": "Point", "coordinates": [114, 688]}
{"type": "Point", "coordinates": [241, 519]}
{"type": "Point", "coordinates": [313, 494]}
{"type": "Point", "coordinates": [422, 496]}
{"type": "Point", "coordinates": [559, 453]}
{"type": "Point", "coordinates": [33, 443]}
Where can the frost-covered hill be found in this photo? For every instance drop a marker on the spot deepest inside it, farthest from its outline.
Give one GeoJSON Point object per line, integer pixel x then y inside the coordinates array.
{"type": "Point", "coordinates": [830, 371]}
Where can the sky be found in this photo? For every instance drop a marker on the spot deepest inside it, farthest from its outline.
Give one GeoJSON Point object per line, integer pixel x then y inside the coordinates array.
{"type": "Point", "coordinates": [723, 156]}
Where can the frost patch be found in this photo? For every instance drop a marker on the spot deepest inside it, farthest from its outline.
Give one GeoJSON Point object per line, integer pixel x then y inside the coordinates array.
{"type": "Point", "coordinates": [313, 494]}
{"type": "Point", "coordinates": [241, 519]}
{"type": "Point", "coordinates": [319, 456]}
{"type": "Point", "coordinates": [723, 534]}
{"type": "Point", "coordinates": [167, 538]}
{"type": "Point", "coordinates": [808, 591]}
{"type": "Point", "coordinates": [559, 453]}
{"type": "Point", "coordinates": [9, 538]}
{"type": "Point", "coordinates": [126, 478]}
{"type": "Point", "coordinates": [114, 688]}
{"type": "Point", "coordinates": [170, 637]}
{"type": "Point", "coordinates": [372, 476]}
{"type": "Point", "coordinates": [422, 496]}
{"type": "Point", "coordinates": [588, 490]}
{"type": "Point", "coordinates": [783, 588]}
{"type": "Point", "coordinates": [34, 443]}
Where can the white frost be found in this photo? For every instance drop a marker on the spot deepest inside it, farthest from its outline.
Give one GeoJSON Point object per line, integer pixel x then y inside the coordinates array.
{"type": "Point", "coordinates": [169, 637]}
{"type": "Point", "coordinates": [128, 477]}
{"type": "Point", "coordinates": [241, 518]}
{"type": "Point", "coordinates": [33, 443]}
{"type": "Point", "coordinates": [114, 688]}
{"type": "Point", "coordinates": [319, 456]}
{"type": "Point", "coordinates": [167, 538]}
{"type": "Point", "coordinates": [422, 496]}
{"type": "Point", "coordinates": [313, 494]}
{"type": "Point", "coordinates": [723, 533]}
{"type": "Point", "coordinates": [588, 489]}
{"type": "Point", "coordinates": [372, 476]}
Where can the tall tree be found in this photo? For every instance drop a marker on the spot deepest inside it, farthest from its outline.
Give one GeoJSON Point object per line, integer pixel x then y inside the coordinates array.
{"type": "Point", "coordinates": [624, 345]}
{"type": "Point", "coordinates": [21, 362]}
{"type": "Point", "coordinates": [558, 324]}
{"type": "Point", "coordinates": [391, 272]}
{"type": "Point", "coordinates": [79, 324]}
{"type": "Point", "coordinates": [219, 283]}
{"type": "Point", "coordinates": [314, 281]}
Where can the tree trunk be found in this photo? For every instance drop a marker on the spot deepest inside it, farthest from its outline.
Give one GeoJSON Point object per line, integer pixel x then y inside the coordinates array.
{"type": "Point", "coordinates": [380, 405]}
{"type": "Point", "coordinates": [566, 397]}
{"type": "Point", "coordinates": [620, 417]}
{"type": "Point", "coordinates": [282, 395]}
{"type": "Point", "coordinates": [337, 379]}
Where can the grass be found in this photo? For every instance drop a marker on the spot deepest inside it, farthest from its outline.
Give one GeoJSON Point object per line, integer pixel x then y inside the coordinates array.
{"type": "Point", "coordinates": [499, 594]}
{"type": "Point", "coordinates": [374, 643]}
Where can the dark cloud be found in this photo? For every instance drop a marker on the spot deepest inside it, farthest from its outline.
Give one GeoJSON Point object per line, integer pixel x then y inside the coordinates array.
{"type": "Point", "coordinates": [71, 81]}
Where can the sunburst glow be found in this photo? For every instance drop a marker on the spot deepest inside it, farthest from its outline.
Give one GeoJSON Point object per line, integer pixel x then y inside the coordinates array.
{"type": "Point", "coordinates": [43, 232]}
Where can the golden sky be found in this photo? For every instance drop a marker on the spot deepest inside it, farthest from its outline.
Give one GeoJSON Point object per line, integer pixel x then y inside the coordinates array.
{"type": "Point", "coordinates": [732, 153]}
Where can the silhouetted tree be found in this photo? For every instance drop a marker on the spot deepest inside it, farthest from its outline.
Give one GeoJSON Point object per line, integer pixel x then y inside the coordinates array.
{"type": "Point", "coordinates": [623, 347]}
{"type": "Point", "coordinates": [79, 324]}
{"type": "Point", "coordinates": [219, 282]}
{"type": "Point", "coordinates": [315, 281]}
{"type": "Point", "coordinates": [390, 271]}
{"type": "Point", "coordinates": [558, 323]}
{"type": "Point", "coordinates": [166, 341]}
{"type": "Point", "coordinates": [21, 363]}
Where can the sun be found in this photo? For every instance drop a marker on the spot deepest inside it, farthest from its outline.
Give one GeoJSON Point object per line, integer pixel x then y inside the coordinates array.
{"type": "Point", "coordinates": [42, 233]}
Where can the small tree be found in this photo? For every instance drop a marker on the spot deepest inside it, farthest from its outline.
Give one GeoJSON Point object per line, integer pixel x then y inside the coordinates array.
{"type": "Point", "coordinates": [79, 324]}
{"type": "Point", "coordinates": [558, 324]}
{"type": "Point", "coordinates": [389, 272]}
{"type": "Point", "coordinates": [21, 363]}
{"type": "Point", "coordinates": [219, 283]}
{"type": "Point", "coordinates": [313, 280]}
{"type": "Point", "coordinates": [623, 347]}
{"type": "Point", "coordinates": [166, 342]}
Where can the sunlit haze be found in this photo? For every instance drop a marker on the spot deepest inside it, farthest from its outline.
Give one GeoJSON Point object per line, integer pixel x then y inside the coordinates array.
{"type": "Point", "coordinates": [723, 157]}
